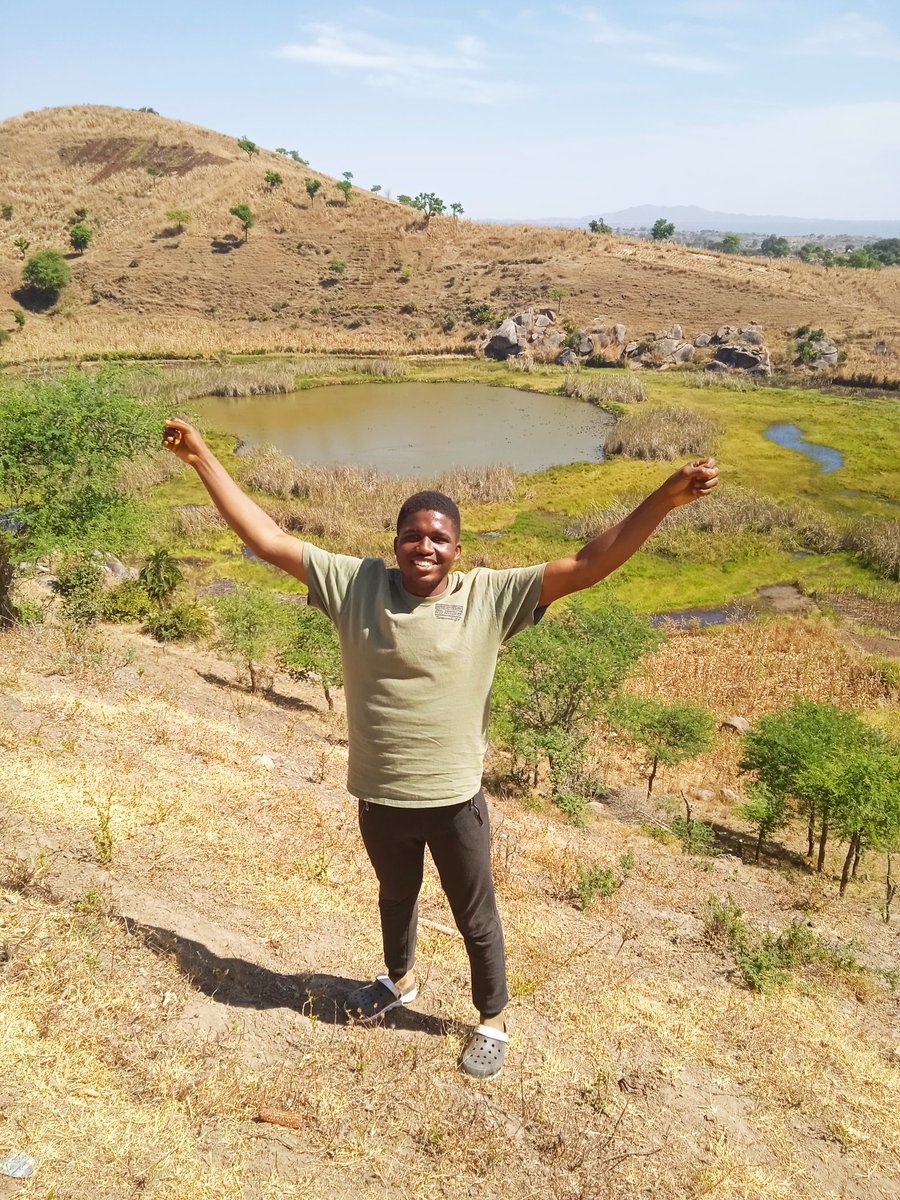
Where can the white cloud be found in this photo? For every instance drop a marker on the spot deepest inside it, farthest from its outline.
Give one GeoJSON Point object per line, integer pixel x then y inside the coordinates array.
{"type": "Point", "coordinates": [458, 73]}
{"type": "Point", "coordinates": [645, 47]}
{"type": "Point", "coordinates": [852, 35]}
{"type": "Point", "coordinates": [682, 62]}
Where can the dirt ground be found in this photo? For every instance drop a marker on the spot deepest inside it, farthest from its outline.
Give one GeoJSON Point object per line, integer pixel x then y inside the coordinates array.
{"type": "Point", "coordinates": [186, 901]}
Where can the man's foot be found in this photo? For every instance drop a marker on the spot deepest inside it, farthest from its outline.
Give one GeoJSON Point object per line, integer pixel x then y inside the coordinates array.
{"type": "Point", "coordinates": [373, 1000]}
{"type": "Point", "coordinates": [485, 1052]}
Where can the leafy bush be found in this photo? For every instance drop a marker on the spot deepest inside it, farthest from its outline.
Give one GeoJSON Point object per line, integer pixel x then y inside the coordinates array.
{"type": "Point", "coordinates": [696, 837]}
{"type": "Point", "coordinates": [253, 628]}
{"type": "Point", "coordinates": [79, 582]}
{"type": "Point", "coordinates": [185, 622]}
{"type": "Point", "coordinates": [601, 881]}
{"type": "Point", "coordinates": [46, 273]}
{"type": "Point", "coordinates": [161, 575]}
{"type": "Point", "coordinates": [126, 603]}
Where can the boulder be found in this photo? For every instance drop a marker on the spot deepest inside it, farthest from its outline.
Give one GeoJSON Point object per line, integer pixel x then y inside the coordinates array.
{"type": "Point", "coordinates": [676, 332]}
{"type": "Point", "coordinates": [524, 318]}
{"type": "Point", "coordinates": [583, 345]}
{"type": "Point", "coordinates": [683, 354]}
{"type": "Point", "coordinates": [504, 343]}
{"type": "Point", "coordinates": [744, 358]}
{"type": "Point", "coordinates": [702, 339]}
{"type": "Point", "coordinates": [542, 321]}
{"type": "Point", "coordinates": [752, 335]}
{"type": "Point", "coordinates": [114, 570]}
{"type": "Point", "coordinates": [567, 357]}
{"type": "Point", "coordinates": [618, 332]}
{"type": "Point", "coordinates": [631, 349]}
{"type": "Point", "coordinates": [725, 333]}
{"type": "Point", "coordinates": [716, 367]}
{"type": "Point", "coordinates": [739, 724]}
{"type": "Point", "coordinates": [553, 340]}
{"type": "Point", "coordinates": [664, 346]}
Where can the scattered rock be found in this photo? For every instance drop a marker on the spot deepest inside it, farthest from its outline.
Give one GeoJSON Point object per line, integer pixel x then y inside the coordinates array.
{"type": "Point", "coordinates": [743, 358]}
{"type": "Point", "coordinates": [704, 795]}
{"type": "Point", "coordinates": [567, 357]}
{"type": "Point", "coordinates": [740, 724]}
{"type": "Point", "coordinates": [752, 334]}
{"type": "Point", "coordinates": [702, 339]}
{"type": "Point", "coordinates": [618, 333]}
{"type": "Point", "coordinates": [114, 570]}
{"type": "Point", "coordinates": [505, 341]}
{"type": "Point", "coordinates": [583, 345]}
{"type": "Point", "coordinates": [596, 807]}
{"type": "Point", "coordinates": [729, 794]}
{"type": "Point", "coordinates": [725, 333]}
{"type": "Point", "coordinates": [263, 760]}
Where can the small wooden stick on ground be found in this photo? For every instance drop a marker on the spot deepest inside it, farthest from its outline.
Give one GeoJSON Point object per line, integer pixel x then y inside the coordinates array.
{"type": "Point", "coordinates": [280, 1116]}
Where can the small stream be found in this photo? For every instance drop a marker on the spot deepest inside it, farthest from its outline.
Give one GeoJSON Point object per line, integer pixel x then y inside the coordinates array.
{"type": "Point", "coordinates": [791, 438]}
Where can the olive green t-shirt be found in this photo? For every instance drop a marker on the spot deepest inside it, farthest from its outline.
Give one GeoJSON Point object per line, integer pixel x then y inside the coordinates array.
{"type": "Point", "coordinates": [418, 672]}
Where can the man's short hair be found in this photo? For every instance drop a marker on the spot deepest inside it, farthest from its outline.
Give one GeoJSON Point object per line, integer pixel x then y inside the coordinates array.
{"type": "Point", "coordinates": [430, 502]}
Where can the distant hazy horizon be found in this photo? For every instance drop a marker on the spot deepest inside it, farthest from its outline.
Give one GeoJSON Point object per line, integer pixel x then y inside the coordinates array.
{"type": "Point", "coordinates": [741, 106]}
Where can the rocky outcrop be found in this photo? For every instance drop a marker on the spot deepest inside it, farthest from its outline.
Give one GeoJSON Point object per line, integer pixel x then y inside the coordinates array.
{"type": "Point", "coordinates": [662, 349]}
{"type": "Point", "coordinates": [816, 350]}
{"type": "Point", "coordinates": [733, 356]}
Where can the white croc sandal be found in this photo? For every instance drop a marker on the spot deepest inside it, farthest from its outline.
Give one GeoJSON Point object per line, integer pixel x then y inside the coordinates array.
{"type": "Point", "coordinates": [371, 1002]}
{"type": "Point", "coordinates": [485, 1052]}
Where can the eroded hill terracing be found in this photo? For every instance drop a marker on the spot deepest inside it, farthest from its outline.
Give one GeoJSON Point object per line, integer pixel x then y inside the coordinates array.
{"type": "Point", "coordinates": [408, 285]}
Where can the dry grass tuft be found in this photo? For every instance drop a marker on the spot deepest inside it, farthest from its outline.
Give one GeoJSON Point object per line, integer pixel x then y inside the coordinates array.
{"type": "Point", "coordinates": [604, 387]}
{"type": "Point", "coordinates": [662, 433]}
{"type": "Point", "coordinates": [343, 501]}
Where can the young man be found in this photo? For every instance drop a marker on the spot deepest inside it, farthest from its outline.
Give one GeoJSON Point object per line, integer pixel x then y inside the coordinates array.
{"type": "Point", "coordinates": [419, 644]}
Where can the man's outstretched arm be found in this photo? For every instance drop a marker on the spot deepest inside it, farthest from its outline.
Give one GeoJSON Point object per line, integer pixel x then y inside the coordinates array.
{"type": "Point", "coordinates": [254, 527]}
{"type": "Point", "coordinates": [606, 552]}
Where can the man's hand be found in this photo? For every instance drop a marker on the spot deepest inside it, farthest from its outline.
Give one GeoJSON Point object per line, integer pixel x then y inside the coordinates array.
{"type": "Point", "coordinates": [692, 482]}
{"type": "Point", "coordinates": [183, 440]}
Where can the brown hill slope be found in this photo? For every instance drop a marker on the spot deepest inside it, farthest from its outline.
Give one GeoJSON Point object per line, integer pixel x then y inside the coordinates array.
{"type": "Point", "coordinates": [407, 285]}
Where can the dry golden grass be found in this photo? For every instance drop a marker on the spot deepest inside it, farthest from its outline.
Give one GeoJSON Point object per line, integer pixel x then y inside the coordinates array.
{"type": "Point", "coordinates": [636, 1061]}
{"type": "Point", "coordinates": [139, 290]}
{"type": "Point", "coordinates": [662, 433]}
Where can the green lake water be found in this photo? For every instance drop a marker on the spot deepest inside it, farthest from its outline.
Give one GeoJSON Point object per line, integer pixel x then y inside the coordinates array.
{"type": "Point", "coordinates": [415, 428]}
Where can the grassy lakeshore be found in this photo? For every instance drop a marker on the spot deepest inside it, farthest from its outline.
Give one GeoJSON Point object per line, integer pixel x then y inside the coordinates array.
{"type": "Point", "coordinates": [533, 520]}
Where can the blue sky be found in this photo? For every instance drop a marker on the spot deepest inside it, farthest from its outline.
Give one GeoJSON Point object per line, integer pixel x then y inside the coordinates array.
{"type": "Point", "coordinates": [517, 110]}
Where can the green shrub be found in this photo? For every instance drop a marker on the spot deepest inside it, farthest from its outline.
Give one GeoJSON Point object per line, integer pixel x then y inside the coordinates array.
{"type": "Point", "coordinates": [79, 582]}
{"type": "Point", "coordinates": [126, 604]}
{"type": "Point", "coordinates": [696, 837]}
{"type": "Point", "coordinates": [185, 622]}
{"type": "Point", "coordinates": [46, 273]}
{"type": "Point", "coordinates": [601, 881]}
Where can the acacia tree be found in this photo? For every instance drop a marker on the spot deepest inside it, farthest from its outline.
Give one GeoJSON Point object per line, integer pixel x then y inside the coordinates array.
{"type": "Point", "coordinates": [731, 243]}
{"type": "Point", "coordinates": [376, 188]}
{"type": "Point", "coordinates": [551, 684]}
{"type": "Point", "coordinates": [765, 809]}
{"type": "Point", "coordinates": [273, 180]}
{"type": "Point", "coordinates": [249, 148]}
{"type": "Point", "coordinates": [558, 294]}
{"type": "Point", "coordinates": [457, 209]}
{"type": "Point", "coordinates": [252, 630]}
{"type": "Point", "coordinates": [348, 175]}
{"type": "Point", "coordinates": [599, 226]}
{"type": "Point", "coordinates": [80, 237]}
{"type": "Point", "coordinates": [668, 733]}
{"type": "Point", "coordinates": [429, 204]}
{"type": "Point", "coordinates": [180, 218]}
{"type": "Point", "coordinates": [662, 230]}
{"type": "Point", "coordinates": [345, 187]}
{"type": "Point", "coordinates": [312, 186]}
{"type": "Point", "coordinates": [244, 215]}
{"type": "Point", "coordinates": [313, 651]}
{"type": "Point", "coordinates": [797, 753]}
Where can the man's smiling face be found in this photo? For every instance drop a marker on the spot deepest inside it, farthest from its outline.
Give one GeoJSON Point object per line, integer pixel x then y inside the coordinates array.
{"type": "Point", "coordinates": [426, 547]}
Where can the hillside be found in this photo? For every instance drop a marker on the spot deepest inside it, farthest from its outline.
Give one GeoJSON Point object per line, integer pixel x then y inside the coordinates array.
{"type": "Point", "coordinates": [185, 899]}
{"type": "Point", "coordinates": [408, 286]}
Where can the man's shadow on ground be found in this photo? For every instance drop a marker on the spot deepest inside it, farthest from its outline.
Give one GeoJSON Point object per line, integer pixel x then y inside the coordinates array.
{"type": "Point", "coordinates": [244, 984]}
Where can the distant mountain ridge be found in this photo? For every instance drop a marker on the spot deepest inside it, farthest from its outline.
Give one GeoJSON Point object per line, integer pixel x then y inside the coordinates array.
{"type": "Point", "coordinates": [692, 218]}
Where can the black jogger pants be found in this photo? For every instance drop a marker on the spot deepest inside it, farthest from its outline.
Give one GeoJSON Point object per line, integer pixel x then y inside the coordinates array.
{"type": "Point", "coordinates": [458, 836]}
